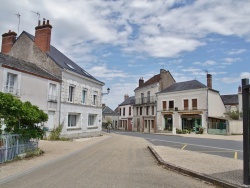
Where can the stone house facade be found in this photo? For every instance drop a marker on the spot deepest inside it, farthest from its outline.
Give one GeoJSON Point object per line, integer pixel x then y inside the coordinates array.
{"type": "Point", "coordinates": [145, 108]}
{"type": "Point", "coordinates": [80, 93]}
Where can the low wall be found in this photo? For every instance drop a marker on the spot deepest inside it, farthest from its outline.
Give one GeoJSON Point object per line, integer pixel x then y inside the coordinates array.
{"type": "Point", "coordinates": [235, 127]}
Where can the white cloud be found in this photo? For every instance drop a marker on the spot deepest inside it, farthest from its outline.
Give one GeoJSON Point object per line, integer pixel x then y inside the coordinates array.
{"type": "Point", "coordinates": [103, 72]}
{"type": "Point", "coordinates": [245, 75]}
{"type": "Point", "coordinates": [229, 61]}
{"type": "Point", "coordinates": [230, 80]}
{"type": "Point", "coordinates": [206, 63]}
{"type": "Point", "coordinates": [236, 51]}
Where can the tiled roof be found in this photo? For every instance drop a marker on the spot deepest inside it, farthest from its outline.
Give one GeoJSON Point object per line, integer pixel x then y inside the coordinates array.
{"type": "Point", "coordinates": [107, 111]}
{"type": "Point", "coordinates": [64, 62]}
{"type": "Point", "coordinates": [154, 79]}
{"type": "Point", "coordinates": [25, 66]}
{"type": "Point", "coordinates": [230, 99]}
{"type": "Point", "coordinates": [128, 101]}
{"type": "Point", "coordinates": [181, 86]}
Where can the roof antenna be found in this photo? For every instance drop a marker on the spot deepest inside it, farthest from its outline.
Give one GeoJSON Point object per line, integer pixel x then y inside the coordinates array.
{"type": "Point", "coordinates": [18, 15]}
{"type": "Point", "coordinates": [205, 71]}
{"type": "Point", "coordinates": [37, 13]}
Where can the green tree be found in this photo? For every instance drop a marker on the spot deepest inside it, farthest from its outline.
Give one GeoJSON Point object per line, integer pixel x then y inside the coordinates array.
{"type": "Point", "coordinates": [234, 115]}
{"type": "Point", "coordinates": [21, 117]}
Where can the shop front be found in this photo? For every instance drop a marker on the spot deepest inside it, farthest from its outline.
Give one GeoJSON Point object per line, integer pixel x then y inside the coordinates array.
{"type": "Point", "coordinates": [168, 122]}
{"type": "Point", "coordinates": [191, 122]}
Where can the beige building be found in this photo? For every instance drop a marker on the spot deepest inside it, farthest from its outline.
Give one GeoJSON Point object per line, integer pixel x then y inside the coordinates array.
{"type": "Point", "coordinates": [125, 111]}
{"type": "Point", "coordinates": [189, 105]}
{"type": "Point", "coordinates": [144, 118]}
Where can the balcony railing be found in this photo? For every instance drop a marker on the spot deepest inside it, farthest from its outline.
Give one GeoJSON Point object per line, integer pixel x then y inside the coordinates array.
{"type": "Point", "coordinates": [145, 100]}
{"type": "Point", "coordinates": [180, 109]}
{"type": "Point", "coordinates": [52, 98]}
{"type": "Point", "coordinates": [11, 90]}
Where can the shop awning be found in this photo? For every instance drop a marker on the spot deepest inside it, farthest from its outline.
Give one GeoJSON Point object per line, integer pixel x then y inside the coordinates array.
{"type": "Point", "coordinates": [219, 117]}
{"type": "Point", "coordinates": [190, 113]}
{"type": "Point", "coordinates": [166, 113]}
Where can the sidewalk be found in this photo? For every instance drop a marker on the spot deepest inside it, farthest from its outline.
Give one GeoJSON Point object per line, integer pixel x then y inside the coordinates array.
{"type": "Point", "coordinates": [221, 171]}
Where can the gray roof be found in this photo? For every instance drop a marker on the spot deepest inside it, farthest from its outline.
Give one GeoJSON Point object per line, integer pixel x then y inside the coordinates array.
{"type": "Point", "coordinates": [25, 66]}
{"type": "Point", "coordinates": [181, 86]}
{"type": "Point", "coordinates": [108, 111]}
{"type": "Point", "coordinates": [64, 62]}
{"type": "Point", "coordinates": [230, 99]}
{"type": "Point", "coordinates": [128, 101]}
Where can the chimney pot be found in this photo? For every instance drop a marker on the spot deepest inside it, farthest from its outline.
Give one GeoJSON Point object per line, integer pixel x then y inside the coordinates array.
{"type": "Point", "coordinates": [7, 41]}
{"type": "Point", "coordinates": [209, 81]}
{"type": "Point", "coordinates": [43, 36]}
{"type": "Point", "coordinates": [141, 82]}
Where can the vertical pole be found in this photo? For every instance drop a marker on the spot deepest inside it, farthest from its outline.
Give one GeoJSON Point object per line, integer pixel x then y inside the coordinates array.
{"type": "Point", "coordinates": [6, 147]}
{"type": "Point", "coordinates": [245, 102]}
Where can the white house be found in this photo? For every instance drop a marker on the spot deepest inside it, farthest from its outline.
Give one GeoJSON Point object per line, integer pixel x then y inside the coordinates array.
{"type": "Point", "coordinates": [189, 105]}
{"type": "Point", "coordinates": [28, 82]}
{"type": "Point", "coordinates": [126, 113]}
{"type": "Point", "coordinates": [80, 110]}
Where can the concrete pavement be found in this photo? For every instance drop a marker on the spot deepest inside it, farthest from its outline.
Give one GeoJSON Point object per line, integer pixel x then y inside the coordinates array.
{"type": "Point", "coordinates": [221, 171]}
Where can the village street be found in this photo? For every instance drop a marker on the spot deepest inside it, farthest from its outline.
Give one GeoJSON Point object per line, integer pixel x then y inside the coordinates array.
{"type": "Point", "coordinates": [117, 161]}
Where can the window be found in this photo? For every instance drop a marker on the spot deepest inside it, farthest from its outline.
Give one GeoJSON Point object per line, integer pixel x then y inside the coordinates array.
{"type": "Point", "coordinates": [147, 110]}
{"type": "Point", "coordinates": [84, 94]}
{"type": "Point", "coordinates": [142, 98]}
{"type": "Point", "coordinates": [185, 101]}
{"type": "Point", "coordinates": [123, 111]}
{"type": "Point", "coordinates": [52, 92]}
{"type": "Point", "coordinates": [71, 120]}
{"type": "Point", "coordinates": [71, 93]}
{"type": "Point", "coordinates": [11, 84]}
{"type": "Point", "coordinates": [164, 105]}
{"type": "Point", "coordinates": [148, 97]}
{"type": "Point", "coordinates": [120, 111]}
{"type": "Point", "coordinates": [140, 110]}
{"type": "Point", "coordinates": [171, 105]}
{"type": "Point", "coordinates": [153, 109]}
{"type": "Point", "coordinates": [94, 99]}
{"type": "Point", "coordinates": [137, 111]}
{"type": "Point", "coordinates": [91, 118]}
{"type": "Point", "coordinates": [194, 104]}
{"type": "Point", "coordinates": [129, 111]}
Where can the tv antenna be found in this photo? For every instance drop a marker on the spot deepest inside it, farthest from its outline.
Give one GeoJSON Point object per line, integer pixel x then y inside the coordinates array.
{"type": "Point", "coordinates": [206, 71]}
{"type": "Point", "coordinates": [18, 16]}
{"type": "Point", "coordinates": [37, 13]}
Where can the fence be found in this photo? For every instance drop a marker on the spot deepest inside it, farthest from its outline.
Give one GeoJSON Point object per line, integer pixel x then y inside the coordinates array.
{"type": "Point", "coordinates": [12, 145]}
{"type": "Point", "coordinates": [217, 128]}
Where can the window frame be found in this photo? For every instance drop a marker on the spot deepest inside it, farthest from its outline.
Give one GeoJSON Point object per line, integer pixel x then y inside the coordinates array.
{"type": "Point", "coordinates": [91, 122]}
{"type": "Point", "coordinates": [70, 120]}
{"type": "Point", "coordinates": [71, 93]}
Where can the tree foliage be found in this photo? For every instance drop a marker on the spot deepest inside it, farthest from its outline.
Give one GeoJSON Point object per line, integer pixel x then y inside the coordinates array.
{"type": "Point", "coordinates": [21, 117]}
{"type": "Point", "coordinates": [234, 115]}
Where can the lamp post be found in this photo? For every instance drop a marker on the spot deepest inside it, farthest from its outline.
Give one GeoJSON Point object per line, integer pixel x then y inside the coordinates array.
{"type": "Point", "coordinates": [108, 90]}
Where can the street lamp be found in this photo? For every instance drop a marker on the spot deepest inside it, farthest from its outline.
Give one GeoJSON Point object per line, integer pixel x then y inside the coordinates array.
{"type": "Point", "coordinates": [108, 90]}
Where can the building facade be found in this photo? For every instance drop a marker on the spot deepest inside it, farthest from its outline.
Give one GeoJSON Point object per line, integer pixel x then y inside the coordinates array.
{"type": "Point", "coordinates": [22, 79]}
{"type": "Point", "coordinates": [80, 110]}
{"type": "Point", "coordinates": [125, 111]}
{"type": "Point", "coordinates": [189, 105]}
{"type": "Point", "coordinates": [145, 107]}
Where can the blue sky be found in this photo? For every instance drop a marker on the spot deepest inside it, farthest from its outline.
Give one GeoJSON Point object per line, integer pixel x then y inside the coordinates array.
{"type": "Point", "coordinates": [119, 42]}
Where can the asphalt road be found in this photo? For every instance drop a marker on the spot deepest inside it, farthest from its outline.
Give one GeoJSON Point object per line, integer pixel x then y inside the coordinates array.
{"type": "Point", "coordinates": [119, 161]}
{"type": "Point", "coordinates": [224, 148]}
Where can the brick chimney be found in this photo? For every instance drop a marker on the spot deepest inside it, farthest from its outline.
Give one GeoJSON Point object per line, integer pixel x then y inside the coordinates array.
{"type": "Point", "coordinates": [7, 41]}
{"type": "Point", "coordinates": [126, 96]}
{"type": "Point", "coordinates": [239, 89]}
{"type": "Point", "coordinates": [43, 36]}
{"type": "Point", "coordinates": [209, 81]}
{"type": "Point", "coordinates": [141, 81]}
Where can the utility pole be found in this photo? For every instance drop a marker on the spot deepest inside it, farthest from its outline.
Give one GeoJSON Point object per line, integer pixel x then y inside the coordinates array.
{"type": "Point", "coordinates": [246, 131]}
